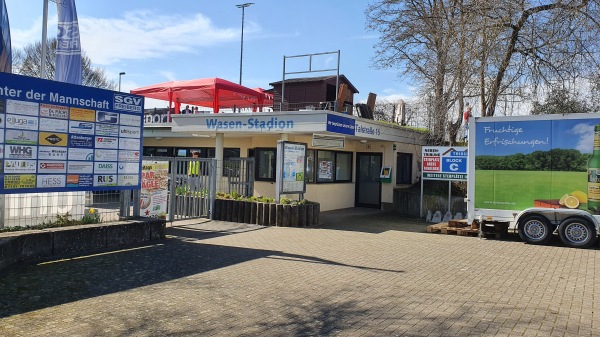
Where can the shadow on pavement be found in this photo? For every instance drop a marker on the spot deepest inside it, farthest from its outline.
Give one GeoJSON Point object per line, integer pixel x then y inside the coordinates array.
{"type": "Point", "coordinates": [370, 220]}
{"type": "Point", "coordinates": [182, 254]}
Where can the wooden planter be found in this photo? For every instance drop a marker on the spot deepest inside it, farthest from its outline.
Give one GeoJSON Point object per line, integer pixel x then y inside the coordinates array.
{"type": "Point", "coordinates": [267, 214]}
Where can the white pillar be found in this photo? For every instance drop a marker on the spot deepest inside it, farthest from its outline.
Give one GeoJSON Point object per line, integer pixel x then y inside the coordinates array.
{"type": "Point", "coordinates": [219, 157]}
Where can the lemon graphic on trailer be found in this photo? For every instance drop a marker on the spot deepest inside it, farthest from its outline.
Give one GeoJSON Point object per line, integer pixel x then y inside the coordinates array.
{"type": "Point", "coordinates": [562, 199]}
{"type": "Point", "coordinates": [581, 196]}
{"type": "Point", "coordinates": [571, 202]}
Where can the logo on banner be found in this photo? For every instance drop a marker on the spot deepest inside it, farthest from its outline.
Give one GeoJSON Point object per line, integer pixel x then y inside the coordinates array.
{"type": "Point", "coordinates": [128, 103]}
{"type": "Point", "coordinates": [52, 167]}
{"type": "Point", "coordinates": [21, 122]}
{"type": "Point", "coordinates": [50, 138]}
{"type": "Point", "coordinates": [129, 144]}
{"type": "Point", "coordinates": [81, 141]}
{"type": "Point", "coordinates": [106, 155]}
{"type": "Point", "coordinates": [19, 166]}
{"type": "Point", "coordinates": [51, 181]}
{"type": "Point", "coordinates": [80, 180]}
{"type": "Point", "coordinates": [131, 132]}
{"type": "Point", "coordinates": [107, 130]}
{"type": "Point", "coordinates": [81, 154]}
{"type": "Point", "coordinates": [54, 111]}
{"type": "Point", "coordinates": [56, 125]}
{"type": "Point", "coordinates": [132, 120]}
{"type": "Point", "coordinates": [19, 181]}
{"type": "Point", "coordinates": [21, 152]}
{"type": "Point", "coordinates": [80, 167]}
{"type": "Point", "coordinates": [107, 142]}
{"type": "Point", "coordinates": [105, 180]}
{"type": "Point", "coordinates": [107, 117]}
{"type": "Point", "coordinates": [21, 137]}
{"type": "Point", "coordinates": [53, 153]}
{"type": "Point", "coordinates": [81, 127]}
{"type": "Point", "coordinates": [105, 167]}
{"type": "Point", "coordinates": [129, 155]}
{"type": "Point", "coordinates": [128, 180]}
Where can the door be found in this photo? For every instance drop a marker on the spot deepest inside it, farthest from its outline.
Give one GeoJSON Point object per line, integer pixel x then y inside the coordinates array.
{"type": "Point", "coordinates": [368, 187]}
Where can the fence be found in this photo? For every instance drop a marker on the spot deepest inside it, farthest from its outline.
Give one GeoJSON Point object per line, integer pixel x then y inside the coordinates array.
{"type": "Point", "coordinates": [189, 195]}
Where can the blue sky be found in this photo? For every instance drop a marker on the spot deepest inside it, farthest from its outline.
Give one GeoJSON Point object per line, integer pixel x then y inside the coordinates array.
{"type": "Point", "coordinates": [157, 41]}
{"type": "Point", "coordinates": [506, 138]}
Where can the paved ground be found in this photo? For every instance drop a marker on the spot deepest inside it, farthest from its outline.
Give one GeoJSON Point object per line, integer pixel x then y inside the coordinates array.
{"type": "Point", "coordinates": [362, 273]}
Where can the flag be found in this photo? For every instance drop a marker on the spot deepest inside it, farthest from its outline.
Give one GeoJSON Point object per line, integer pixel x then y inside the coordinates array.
{"type": "Point", "coordinates": [5, 51]}
{"type": "Point", "coordinates": [68, 50]}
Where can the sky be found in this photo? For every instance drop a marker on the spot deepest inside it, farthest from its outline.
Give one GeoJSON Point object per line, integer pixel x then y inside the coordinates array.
{"type": "Point", "coordinates": [158, 41]}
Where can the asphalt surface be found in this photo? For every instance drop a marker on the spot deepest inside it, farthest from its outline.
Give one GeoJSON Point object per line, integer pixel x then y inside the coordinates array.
{"type": "Point", "coordinates": [360, 273]}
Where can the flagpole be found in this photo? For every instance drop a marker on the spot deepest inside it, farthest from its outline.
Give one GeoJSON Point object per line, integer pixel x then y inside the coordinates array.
{"type": "Point", "coordinates": [44, 40]}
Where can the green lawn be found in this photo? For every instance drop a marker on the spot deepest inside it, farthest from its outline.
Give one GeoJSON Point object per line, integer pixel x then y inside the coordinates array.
{"type": "Point", "coordinates": [516, 190]}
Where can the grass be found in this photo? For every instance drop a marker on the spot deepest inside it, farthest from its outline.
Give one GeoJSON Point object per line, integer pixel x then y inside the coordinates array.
{"type": "Point", "coordinates": [517, 190]}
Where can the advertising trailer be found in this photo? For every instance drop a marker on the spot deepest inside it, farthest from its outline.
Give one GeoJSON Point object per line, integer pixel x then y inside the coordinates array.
{"type": "Point", "coordinates": [540, 175]}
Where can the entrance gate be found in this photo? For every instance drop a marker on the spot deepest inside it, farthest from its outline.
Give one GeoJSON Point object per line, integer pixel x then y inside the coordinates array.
{"type": "Point", "coordinates": [193, 184]}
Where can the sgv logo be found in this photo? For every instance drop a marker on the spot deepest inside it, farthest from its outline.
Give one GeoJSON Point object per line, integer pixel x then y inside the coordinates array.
{"type": "Point", "coordinates": [128, 103]}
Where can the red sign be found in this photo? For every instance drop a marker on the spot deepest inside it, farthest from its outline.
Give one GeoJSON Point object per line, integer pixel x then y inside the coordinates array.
{"type": "Point", "coordinates": [431, 164]}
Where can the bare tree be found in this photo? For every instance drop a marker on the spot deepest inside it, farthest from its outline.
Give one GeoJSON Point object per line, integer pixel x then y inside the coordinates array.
{"type": "Point", "coordinates": [459, 50]}
{"type": "Point", "coordinates": [27, 61]}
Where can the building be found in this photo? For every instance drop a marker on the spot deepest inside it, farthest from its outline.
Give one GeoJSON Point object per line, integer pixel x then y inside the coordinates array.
{"type": "Point", "coordinates": [346, 153]}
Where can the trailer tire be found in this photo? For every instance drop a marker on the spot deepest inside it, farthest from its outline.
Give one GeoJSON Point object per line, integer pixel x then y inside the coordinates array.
{"type": "Point", "coordinates": [535, 230]}
{"type": "Point", "coordinates": [577, 233]}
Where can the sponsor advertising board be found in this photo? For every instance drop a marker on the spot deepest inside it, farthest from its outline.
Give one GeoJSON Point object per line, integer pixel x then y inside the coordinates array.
{"type": "Point", "coordinates": [58, 137]}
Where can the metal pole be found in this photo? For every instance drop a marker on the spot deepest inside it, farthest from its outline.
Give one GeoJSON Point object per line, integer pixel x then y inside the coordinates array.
{"type": "Point", "coordinates": [243, 7]}
{"type": "Point", "coordinates": [44, 40]}
{"type": "Point", "coordinates": [120, 74]}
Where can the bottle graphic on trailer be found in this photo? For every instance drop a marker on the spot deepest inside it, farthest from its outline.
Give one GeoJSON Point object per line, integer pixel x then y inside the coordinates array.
{"type": "Point", "coordinates": [593, 173]}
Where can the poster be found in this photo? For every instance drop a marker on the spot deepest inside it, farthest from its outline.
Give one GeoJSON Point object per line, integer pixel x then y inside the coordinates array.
{"type": "Point", "coordinates": [155, 188]}
{"type": "Point", "coordinates": [59, 137]}
{"type": "Point", "coordinates": [325, 170]}
{"type": "Point", "coordinates": [444, 163]}
{"type": "Point", "coordinates": [294, 164]}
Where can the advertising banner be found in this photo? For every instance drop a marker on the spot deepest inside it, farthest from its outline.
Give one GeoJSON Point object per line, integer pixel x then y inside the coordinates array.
{"type": "Point", "coordinates": [538, 163]}
{"type": "Point", "coordinates": [444, 163]}
{"type": "Point", "coordinates": [57, 137]}
{"type": "Point", "coordinates": [294, 163]}
{"type": "Point", "coordinates": [155, 188]}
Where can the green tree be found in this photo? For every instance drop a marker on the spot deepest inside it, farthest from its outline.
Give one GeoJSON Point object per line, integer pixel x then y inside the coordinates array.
{"type": "Point", "coordinates": [27, 61]}
{"type": "Point", "coordinates": [560, 101]}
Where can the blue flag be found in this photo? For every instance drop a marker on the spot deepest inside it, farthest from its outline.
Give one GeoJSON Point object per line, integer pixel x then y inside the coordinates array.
{"type": "Point", "coordinates": [5, 51]}
{"type": "Point", "coordinates": [68, 50]}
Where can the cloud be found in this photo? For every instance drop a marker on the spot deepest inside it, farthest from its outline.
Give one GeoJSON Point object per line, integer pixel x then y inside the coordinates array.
{"type": "Point", "coordinates": [585, 132]}
{"type": "Point", "coordinates": [144, 34]}
{"type": "Point", "coordinates": [139, 35]}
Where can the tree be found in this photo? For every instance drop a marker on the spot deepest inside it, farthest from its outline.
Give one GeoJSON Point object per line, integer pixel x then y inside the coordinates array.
{"type": "Point", "coordinates": [28, 62]}
{"type": "Point", "coordinates": [559, 101]}
{"type": "Point", "coordinates": [463, 49]}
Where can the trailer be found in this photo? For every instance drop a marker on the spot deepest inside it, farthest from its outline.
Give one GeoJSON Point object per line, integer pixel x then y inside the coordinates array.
{"type": "Point", "coordinates": [537, 175]}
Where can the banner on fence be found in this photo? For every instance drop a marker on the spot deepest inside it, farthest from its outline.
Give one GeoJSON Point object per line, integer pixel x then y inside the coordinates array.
{"type": "Point", "coordinates": [155, 188]}
{"type": "Point", "coordinates": [50, 133]}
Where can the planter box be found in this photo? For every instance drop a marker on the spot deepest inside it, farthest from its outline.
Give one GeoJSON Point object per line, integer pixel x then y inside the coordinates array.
{"type": "Point", "coordinates": [267, 214]}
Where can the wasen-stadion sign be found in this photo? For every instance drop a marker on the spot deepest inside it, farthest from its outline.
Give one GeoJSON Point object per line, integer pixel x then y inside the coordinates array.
{"type": "Point", "coordinates": [58, 137]}
{"type": "Point", "coordinates": [444, 163]}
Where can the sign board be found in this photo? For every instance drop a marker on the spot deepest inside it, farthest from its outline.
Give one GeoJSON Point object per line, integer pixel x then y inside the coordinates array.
{"type": "Point", "coordinates": [444, 163]}
{"type": "Point", "coordinates": [57, 137]}
{"type": "Point", "coordinates": [294, 164]}
{"type": "Point", "coordinates": [155, 189]}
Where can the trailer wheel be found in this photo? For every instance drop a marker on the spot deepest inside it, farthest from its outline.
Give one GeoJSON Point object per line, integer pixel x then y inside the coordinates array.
{"type": "Point", "coordinates": [577, 233]}
{"type": "Point", "coordinates": [535, 230]}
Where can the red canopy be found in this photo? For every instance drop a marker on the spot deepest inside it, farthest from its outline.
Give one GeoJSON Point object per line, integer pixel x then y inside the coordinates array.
{"type": "Point", "coordinates": [208, 92]}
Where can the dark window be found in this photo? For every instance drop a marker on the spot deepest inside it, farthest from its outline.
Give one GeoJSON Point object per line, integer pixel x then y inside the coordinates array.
{"type": "Point", "coordinates": [265, 160]}
{"type": "Point", "coordinates": [404, 168]}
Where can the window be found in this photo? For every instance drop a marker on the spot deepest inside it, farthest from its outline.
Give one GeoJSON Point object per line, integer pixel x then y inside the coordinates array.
{"type": "Point", "coordinates": [404, 168]}
{"type": "Point", "coordinates": [328, 166]}
{"type": "Point", "coordinates": [265, 160]}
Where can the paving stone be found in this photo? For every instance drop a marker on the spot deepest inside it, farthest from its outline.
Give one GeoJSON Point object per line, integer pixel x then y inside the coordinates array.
{"type": "Point", "coordinates": [360, 272]}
